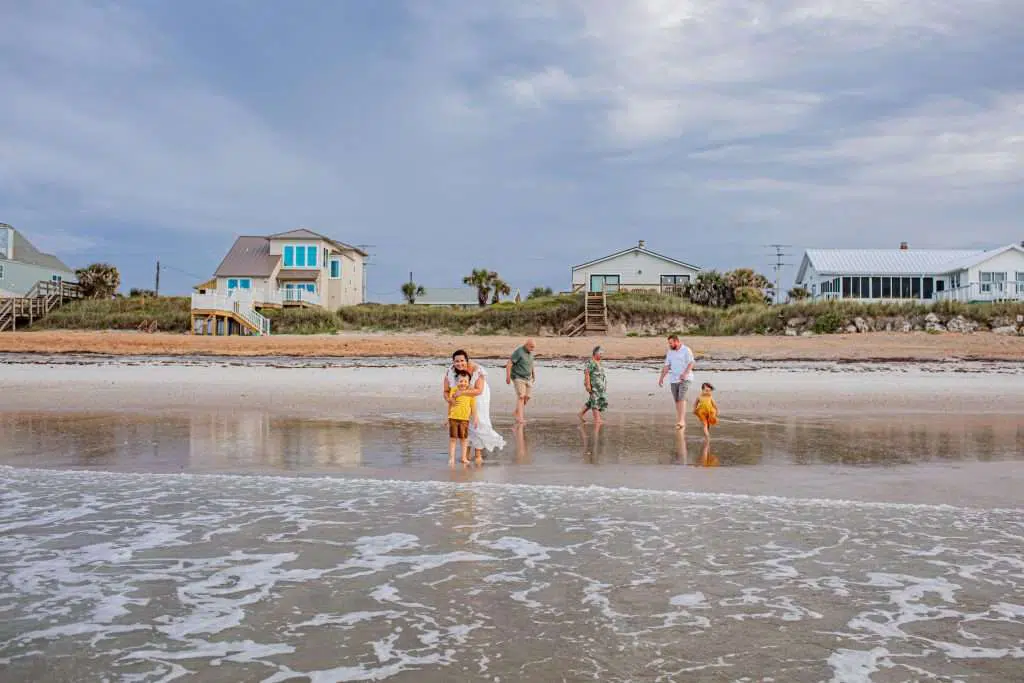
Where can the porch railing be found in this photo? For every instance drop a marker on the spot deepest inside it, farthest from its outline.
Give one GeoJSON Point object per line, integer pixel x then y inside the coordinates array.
{"type": "Point", "coordinates": [231, 304]}
{"type": "Point", "coordinates": [984, 291]}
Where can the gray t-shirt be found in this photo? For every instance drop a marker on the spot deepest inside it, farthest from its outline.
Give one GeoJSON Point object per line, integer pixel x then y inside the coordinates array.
{"type": "Point", "coordinates": [522, 364]}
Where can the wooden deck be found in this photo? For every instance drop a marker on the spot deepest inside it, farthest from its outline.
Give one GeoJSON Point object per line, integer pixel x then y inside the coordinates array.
{"type": "Point", "coordinates": [44, 297]}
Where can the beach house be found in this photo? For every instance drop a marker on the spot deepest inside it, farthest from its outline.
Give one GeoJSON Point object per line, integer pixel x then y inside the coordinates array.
{"type": "Point", "coordinates": [923, 275]}
{"type": "Point", "coordinates": [294, 268]}
{"type": "Point", "coordinates": [632, 269]}
{"type": "Point", "coordinates": [457, 297]}
{"type": "Point", "coordinates": [22, 266]}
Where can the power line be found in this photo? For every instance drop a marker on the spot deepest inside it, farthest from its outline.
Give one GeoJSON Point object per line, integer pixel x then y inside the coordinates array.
{"type": "Point", "coordinates": [779, 263]}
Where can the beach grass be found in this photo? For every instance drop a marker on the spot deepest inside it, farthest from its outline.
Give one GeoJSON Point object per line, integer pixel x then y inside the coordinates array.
{"type": "Point", "coordinates": [642, 313]}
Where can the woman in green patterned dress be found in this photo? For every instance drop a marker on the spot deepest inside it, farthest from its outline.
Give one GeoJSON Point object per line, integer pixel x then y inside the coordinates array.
{"type": "Point", "coordinates": [594, 383]}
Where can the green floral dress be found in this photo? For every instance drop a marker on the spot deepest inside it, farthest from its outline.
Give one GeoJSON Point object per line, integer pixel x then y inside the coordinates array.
{"type": "Point", "coordinates": [598, 398]}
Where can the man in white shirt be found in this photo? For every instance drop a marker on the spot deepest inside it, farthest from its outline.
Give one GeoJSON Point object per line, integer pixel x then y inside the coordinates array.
{"type": "Point", "coordinates": [679, 367]}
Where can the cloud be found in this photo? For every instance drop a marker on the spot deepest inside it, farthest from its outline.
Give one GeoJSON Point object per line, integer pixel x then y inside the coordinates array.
{"type": "Point", "coordinates": [96, 114]}
{"type": "Point", "coordinates": [523, 137]}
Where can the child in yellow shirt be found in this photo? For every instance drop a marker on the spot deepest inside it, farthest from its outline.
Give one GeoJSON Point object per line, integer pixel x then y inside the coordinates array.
{"type": "Point", "coordinates": [706, 409]}
{"type": "Point", "coordinates": [461, 411]}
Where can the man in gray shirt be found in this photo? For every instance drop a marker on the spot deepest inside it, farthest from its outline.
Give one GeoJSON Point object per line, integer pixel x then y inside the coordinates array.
{"type": "Point", "coordinates": [520, 373]}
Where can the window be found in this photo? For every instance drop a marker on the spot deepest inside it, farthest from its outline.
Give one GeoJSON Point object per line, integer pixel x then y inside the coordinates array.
{"type": "Point", "coordinates": [1019, 274]}
{"type": "Point", "coordinates": [991, 281]}
{"type": "Point", "coordinates": [887, 288]}
{"type": "Point", "coordinates": [56, 278]}
{"type": "Point", "coordinates": [335, 268]}
{"type": "Point", "coordinates": [929, 287]}
{"type": "Point", "coordinates": [855, 288]}
{"type": "Point", "coordinates": [846, 287]}
{"type": "Point", "coordinates": [915, 288]}
{"type": "Point", "coordinates": [324, 261]}
{"type": "Point", "coordinates": [239, 283]}
{"type": "Point", "coordinates": [301, 286]}
{"type": "Point", "coordinates": [1, 271]}
{"type": "Point", "coordinates": [299, 256]}
{"type": "Point", "coordinates": [940, 285]}
{"type": "Point", "coordinates": [876, 287]}
{"type": "Point", "coordinates": [905, 288]}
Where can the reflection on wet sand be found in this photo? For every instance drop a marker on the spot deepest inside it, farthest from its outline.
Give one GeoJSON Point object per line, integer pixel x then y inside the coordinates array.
{"type": "Point", "coordinates": [256, 441]}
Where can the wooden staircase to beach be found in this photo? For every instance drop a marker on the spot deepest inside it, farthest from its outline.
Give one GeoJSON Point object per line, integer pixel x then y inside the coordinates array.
{"type": "Point", "coordinates": [44, 297]}
{"type": "Point", "coordinates": [593, 319]}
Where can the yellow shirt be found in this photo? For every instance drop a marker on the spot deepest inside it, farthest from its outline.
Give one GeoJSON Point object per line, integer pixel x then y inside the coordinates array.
{"type": "Point", "coordinates": [462, 407]}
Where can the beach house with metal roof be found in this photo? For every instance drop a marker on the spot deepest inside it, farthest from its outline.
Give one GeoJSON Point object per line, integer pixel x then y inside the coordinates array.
{"type": "Point", "coordinates": [294, 268]}
{"type": "Point", "coordinates": [635, 268]}
{"type": "Point", "coordinates": [22, 266]}
{"type": "Point", "coordinates": [923, 275]}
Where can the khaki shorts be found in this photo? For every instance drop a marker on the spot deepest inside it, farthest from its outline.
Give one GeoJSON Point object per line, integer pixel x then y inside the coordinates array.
{"type": "Point", "coordinates": [679, 390]}
{"type": "Point", "coordinates": [523, 387]}
{"type": "Point", "coordinates": [458, 429]}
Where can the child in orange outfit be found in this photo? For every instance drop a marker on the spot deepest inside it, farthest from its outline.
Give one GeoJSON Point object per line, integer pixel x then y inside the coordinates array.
{"type": "Point", "coordinates": [705, 408]}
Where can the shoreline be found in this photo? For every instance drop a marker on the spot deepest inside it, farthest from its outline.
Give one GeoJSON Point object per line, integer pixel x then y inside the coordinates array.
{"type": "Point", "coordinates": [895, 347]}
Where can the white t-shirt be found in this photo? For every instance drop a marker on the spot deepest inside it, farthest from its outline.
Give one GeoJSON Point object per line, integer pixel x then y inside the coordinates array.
{"type": "Point", "coordinates": [677, 362]}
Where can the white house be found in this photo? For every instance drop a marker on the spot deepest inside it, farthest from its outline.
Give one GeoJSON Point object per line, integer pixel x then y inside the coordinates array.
{"type": "Point", "coordinates": [636, 268]}
{"type": "Point", "coordinates": [914, 274]}
{"type": "Point", "coordinates": [457, 297]}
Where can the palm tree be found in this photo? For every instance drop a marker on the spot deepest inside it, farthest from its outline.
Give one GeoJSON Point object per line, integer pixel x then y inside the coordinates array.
{"type": "Point", "coordinates": [798, 294]}
{"type": "Point", "coordinates": [711, 288]}
{"type": "Point", "coordinates": [538, 292]}
{"type": "Point", "coordinates": [98, 281]}
{"type": "Point", "coordinates": [481, 279]}
{"type": "Point", "coordinates": [499, 287]}
{"type": "Point", "coordinates": [411, 290]}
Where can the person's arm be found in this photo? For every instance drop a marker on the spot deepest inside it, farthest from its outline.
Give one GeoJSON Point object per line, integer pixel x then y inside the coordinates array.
{"type": "Point", "coordinates": [474, 390]}
{"type": "Point", "coordinates": [446, 390]}
{"type": "Point", "coordinates": [508, 369]}
{"type": "Point", "coordinates": [586, 379]}
{"type": "Point", "coordinates": [664, 371]}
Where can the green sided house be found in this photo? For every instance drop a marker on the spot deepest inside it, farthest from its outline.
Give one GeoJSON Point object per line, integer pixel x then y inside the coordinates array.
{"type": "Point", "coordinates": [22, 266]}
{"type": "Point", "coordinates": [296, 268]}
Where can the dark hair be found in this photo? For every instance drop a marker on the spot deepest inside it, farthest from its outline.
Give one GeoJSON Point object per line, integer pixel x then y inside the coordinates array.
{"type": "Point", "coordinates": [460, 352]}
{"type": "Point", "coordinates": [673, 337]}
{"type": "Point", "coordinates": [708, 385]}
{"type": "Point", "coordinates": [462, 373]}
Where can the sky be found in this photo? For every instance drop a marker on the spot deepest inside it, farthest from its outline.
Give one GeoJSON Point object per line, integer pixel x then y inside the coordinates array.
{"type": "Point", "coordinates": [522, 137]}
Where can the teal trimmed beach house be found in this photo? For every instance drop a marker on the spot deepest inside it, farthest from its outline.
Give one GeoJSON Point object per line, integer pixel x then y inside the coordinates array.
{"type": "Point", "coordinates": [296, 268]}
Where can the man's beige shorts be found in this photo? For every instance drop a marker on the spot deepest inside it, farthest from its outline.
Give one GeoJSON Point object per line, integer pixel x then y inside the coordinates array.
{"type": "Point", "coordinates": [523, 387]}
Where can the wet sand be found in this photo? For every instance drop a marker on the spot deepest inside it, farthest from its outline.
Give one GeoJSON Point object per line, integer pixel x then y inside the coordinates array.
{"type": "Point", "coordinates": [225, 521]}
{"type": "Point", "coordinates": [915, 346]}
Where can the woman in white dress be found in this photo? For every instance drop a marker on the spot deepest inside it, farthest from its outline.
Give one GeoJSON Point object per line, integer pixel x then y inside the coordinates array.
{"type": "Point", "coordinates": [482, 437]}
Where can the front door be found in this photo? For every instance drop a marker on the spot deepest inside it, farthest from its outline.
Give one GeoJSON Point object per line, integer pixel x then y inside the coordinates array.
{"type": "Point", "coordinates": [604, 283]}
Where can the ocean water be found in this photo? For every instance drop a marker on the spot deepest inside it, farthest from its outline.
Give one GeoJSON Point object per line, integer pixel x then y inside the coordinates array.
{"type": "Point", "coordinates": [158, 577]}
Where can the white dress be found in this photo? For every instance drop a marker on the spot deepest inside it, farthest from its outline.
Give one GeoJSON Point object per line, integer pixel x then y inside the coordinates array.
{"type": "Point", "coordinates": [484, 435]}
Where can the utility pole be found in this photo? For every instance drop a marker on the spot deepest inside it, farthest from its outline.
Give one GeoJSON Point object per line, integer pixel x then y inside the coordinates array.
{"type": "Point", "coordinates": [777, 266]}
{"type": "Point", "coordinates": [365, 247]}
{"type": "Point", "coordinates": [156, 289]}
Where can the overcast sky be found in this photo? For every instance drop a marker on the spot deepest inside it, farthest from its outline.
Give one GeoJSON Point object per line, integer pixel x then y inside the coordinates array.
{"type": "Point", "coordinates": [519, 136]}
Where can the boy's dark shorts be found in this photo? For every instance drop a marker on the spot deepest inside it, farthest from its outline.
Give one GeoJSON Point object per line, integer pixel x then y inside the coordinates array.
{"type": "Point", "coordinates": [458, 429]}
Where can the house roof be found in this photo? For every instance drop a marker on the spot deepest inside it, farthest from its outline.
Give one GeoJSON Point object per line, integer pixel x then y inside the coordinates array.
{"type": "Point", "coordinates": [642, 250]}
{"type": "Point", "coordinates": [304, 234]}
{"type": "Point", "coordinates": [449, 296]}
{"type": "Point", "coordinates": [883, 261]}
{"type": "Point", "coordinates": [982, 256]}
{"type": "Point", "coordinates": [26, 252]}
{"type": "Point", "coordinates": [248, 257]}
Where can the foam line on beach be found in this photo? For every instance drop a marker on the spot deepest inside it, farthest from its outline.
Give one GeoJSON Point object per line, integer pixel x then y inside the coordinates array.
{"type": "Point", "coordinates": [13, 474]}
